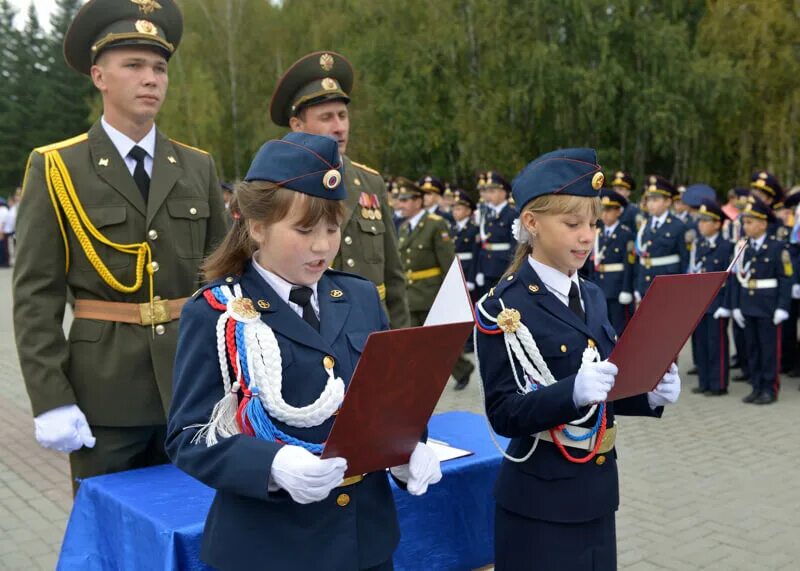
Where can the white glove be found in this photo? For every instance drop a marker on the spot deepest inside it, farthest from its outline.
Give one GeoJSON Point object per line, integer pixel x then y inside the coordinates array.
{"type": "Point", "coordinates": [423, 469]}
{"type": "Point", "coordinates": [796, 291]}
{"type": "Point", "coordinates": [306, 477]}
{"type": "Point", "coordinates": [470, 286]}
{"type": "Point", "coordinates": [63, 429]}
{"type": "Point", "coordinates": [780, 316]}
{"type": "Point", "coordinates": [738, 317]}
{"type": "Point", "coordinates": [667, 390]}
{"type": "Point", "coordinates": [480, 279]}
{"type": "Point", "coordinates": [637, 297]}
{"type": "Point", "coordinates": [625, 298]}
{"type": "Point", "coordinates": [593, 382]}
{"type": "Point", "coordinates": [721, 312]}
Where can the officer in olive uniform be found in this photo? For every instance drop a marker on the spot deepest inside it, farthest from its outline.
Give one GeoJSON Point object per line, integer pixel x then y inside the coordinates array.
{"type": "Point", "coordinates": [312, 96]}
{"type": "Point", "coordinates": [120, 219]}
{"type": "Point", "coordinates": [427, 250]}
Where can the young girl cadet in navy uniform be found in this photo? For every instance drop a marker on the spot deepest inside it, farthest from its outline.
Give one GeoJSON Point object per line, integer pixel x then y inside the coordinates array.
{"type": "Point", "coordinates": [543, 341]}
{"type": "Point", "coordinates": [265, 353]}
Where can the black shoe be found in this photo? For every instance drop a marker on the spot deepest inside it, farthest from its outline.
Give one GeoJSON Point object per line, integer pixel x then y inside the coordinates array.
{"type": "Point", "coordinates": [699, 391]}
{"type": "Point", "coordinates": [751, 397]}
{"type": "Point", "coordinates": [741, 378]}
{"type": "Point", "coordinates": [461, 384]}
{"type": "Point", "coordinates": [765, 398]}
{"type": "Point", "coordinates": [717, 393]}
{"type": "Point", "coordinates": [692, 370]}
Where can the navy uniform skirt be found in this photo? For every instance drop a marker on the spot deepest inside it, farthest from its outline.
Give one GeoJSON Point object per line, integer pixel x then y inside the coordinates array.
{"type": "Point", "coordinates": [524, 544]}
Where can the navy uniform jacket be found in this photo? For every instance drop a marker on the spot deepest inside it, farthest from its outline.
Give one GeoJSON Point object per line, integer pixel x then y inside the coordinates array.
{"type": "Point", "coordinates": [715, 257]}
{"type": "Point", "coordinates": [439, 211]}
{"type": "Point", "coordinates": [467, 247]}
{"type": "Point", "coordinates": [616, 249]}
{"type": "Point", "coordinates": [248, 527]}
{"type": "Point", "coordinates": [771, 261]}
{"type": "Point", "coordinates": [668, 240]}
{"type": "Point", "coordinates": [547, 486]}
{"type": "Point", "coordinates": [496, 230]}
{"type": "Point", "coordinates": [632, 217]}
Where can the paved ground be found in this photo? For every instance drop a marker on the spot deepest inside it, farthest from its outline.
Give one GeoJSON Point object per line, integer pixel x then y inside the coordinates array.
{"type": "Point", "coordinates": [712, 485]}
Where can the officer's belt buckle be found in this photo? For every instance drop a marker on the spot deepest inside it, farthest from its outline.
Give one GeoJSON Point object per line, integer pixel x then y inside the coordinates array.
{"type": "Point", "coordinates": [352, 480]}
{"type": "Point", "coordinates": [648, 263]}
{"type": "Point", "coordinates": [752, 284]}
{"type": "Point", "coordinates": [609, 440]}
{"type": "Point", "coordinates": [159, 314]}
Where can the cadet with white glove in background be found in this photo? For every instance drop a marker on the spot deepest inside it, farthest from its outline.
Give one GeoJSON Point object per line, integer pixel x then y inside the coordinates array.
{"type": "Point", "coordinates": [760, 297]}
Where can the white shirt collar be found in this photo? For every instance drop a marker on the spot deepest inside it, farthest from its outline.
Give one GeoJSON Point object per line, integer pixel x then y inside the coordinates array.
{"type": "Point", "coordinates": [759, 241]}
{"type": "Point", "coordinates": [712, 240]}
{"type": "Point", "coordinates": [499, 208]}
{"type": "Point", "coordinates": [660, 219]}
{"type": "Point", "coordinates": [414, 220]}
{"type": "Point", "coordinates": [610, 229]}
{"type": "Point", "coordinates": [283, 288]}
{"type": "Point", "coordinates": [555, 280]}
{"type": "Point", "coordinates": [461, 224]}
{"type": "Point", "coordinates": [124, 144]}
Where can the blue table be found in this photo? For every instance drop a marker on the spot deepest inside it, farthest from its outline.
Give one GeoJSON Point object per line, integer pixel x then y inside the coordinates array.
{"type": "Point", "coordinates": [153, 519]}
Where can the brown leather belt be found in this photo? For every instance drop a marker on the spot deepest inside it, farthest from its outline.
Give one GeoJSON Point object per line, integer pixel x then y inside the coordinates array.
{"type": "Point", "coordinates": [163, 311]}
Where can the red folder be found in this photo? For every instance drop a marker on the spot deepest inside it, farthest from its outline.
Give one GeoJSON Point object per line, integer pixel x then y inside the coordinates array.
{"type": "Point", "coordinates": [667, 316]}
{"type": "Point", "coordinates": [398, 381]}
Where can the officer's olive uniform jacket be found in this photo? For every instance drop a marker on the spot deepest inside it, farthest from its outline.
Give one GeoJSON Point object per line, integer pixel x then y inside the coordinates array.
{"type": "Point", "coordinates": [369, 247]}
{"type": "Point", "coordinates": [119, 374]}
{"type": "Point", "coordinates": [427, 246]}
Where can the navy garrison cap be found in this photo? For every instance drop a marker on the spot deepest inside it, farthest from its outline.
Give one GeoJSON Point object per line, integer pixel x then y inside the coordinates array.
{"type": "Point", "coordinates": [697, 194]}
{"type": "Point", "coordinates": [303, 162]}
{"type": "Point", "coordinates": [612, 199]}
{"type": "Point", "coordinates": [710, 210]}
{"type": "Point", "coordinates": [757, 208]}
{"type": "Point", "coordinates": [565, 171]}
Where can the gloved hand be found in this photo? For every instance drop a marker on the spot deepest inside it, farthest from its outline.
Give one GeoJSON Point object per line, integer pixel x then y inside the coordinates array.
{"type": "Point", "coordinates": [667, 390]}
{"type": "Point", "coordinates": [470, 286]}
{"type": "Point", "coordinates": [593, 382]}
{"type": "Point", "coordinates": [721, 312]}
{"type": "Point", "coordinates": [480, 280]}
{"type": "Point", "coordinates": [625, 298]}
{"type": "Point", "coordinates": [423, 469]}
{"type": "Point", "coordinates": [738, 317]}
{"type": "Point", "coordinates": [780, 316]}
{"type": "Point", "coordinates": [796, 291]}
{"type": "Point", "coordinates": [306, 477]}
{"type": "Point", "coordinates": [637, 297]}
{"type": "Point", "coordinates": [63, 429]}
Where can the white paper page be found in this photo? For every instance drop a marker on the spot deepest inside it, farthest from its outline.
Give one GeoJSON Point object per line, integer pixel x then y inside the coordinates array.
{"type": "Point", "coordinates": [452, 303]}
{"type": "Point", "coordinates": [445, 452]}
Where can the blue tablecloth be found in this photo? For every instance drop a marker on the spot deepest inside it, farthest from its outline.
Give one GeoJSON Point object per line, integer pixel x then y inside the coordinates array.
{"type": "Point", "coordinates": [153, 519]}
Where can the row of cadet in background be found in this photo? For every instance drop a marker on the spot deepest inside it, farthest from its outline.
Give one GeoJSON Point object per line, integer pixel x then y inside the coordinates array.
{"type": "Point", "coordinates": [672, 230]}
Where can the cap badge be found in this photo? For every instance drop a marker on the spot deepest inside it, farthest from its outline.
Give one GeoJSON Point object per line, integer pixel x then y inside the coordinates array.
{"type": "Point", "coordinates": [653, 180]}
{"type": "Point", "coordinates": [331, 179]}
{"type": "Point", "coordinates": [146, 27]}
{"type": "Point", "coordinates": [509, 320]}
{"type": "Point", "coordinates": [326, 62]}
{"type": "Point", "coordinates": [147, 6]}
{"type": "Point", "coordinates": [619, 174]}
{"type": "Point", "coordinates": [762, 175]}
{"type": "Point", "coordinates": [597, 180]}
{"type": "Point", "coordinates": [329, 84]}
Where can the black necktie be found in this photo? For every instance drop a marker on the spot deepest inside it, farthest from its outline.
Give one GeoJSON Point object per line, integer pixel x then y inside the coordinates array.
{"type": "Point", "coordinates": [575, 302]}
{"type": "Point", "coordinates": [656, 224]}
{"type": "Point", "coordinates": [302, 297]}
{"type": "Point", "coordinates": [139, 174]}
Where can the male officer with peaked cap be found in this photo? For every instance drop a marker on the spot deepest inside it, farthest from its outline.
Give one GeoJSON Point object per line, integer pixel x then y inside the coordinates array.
{"type": "Point", "coordinates": [312, 97]}
{"type": "Point", "coordinates": [121, 218]}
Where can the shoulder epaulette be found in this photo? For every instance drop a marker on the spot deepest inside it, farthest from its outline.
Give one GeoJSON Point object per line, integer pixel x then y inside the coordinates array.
{"type": "Point", "coordinates": [435, 216]}
{"type": "Point", "coordinates": [189, 146]}
{"type": "Point", "coordinates": [63, 144]}
{"type": "Point", "coordinates": [345, 274]}
{"type": "Point", "coordinates": [365, 168]}
{"type": "Point", "coordinates": [227, 280]}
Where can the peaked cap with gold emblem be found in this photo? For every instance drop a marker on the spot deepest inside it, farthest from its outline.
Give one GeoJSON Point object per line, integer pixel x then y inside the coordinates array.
{"type": "Point", "coordinates": [315, 78]}
{"type": "Point", "coordinates": [103, 24]}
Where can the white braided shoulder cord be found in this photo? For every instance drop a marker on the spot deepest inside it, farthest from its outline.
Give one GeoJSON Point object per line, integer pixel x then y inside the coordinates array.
{"type": "Point", "coordinates": [522, 345]}
{"type": "Point", "coordinates": [264, 358]}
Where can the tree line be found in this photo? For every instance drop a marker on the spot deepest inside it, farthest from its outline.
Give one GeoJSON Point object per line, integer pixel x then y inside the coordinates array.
{"type": "Point", "coordinates": [695, 91]}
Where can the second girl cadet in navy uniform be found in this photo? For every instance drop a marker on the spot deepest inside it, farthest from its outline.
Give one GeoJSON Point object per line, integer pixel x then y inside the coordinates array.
{"type": "Point", "coordinates": [613, 260]}
{"type": "Point", "coordinates": [556, 500]}
{"type": "Point", "coordinates": [712, 253]}
{"type": "Point", "coordinates": [264, 355]}
{"type": "Point", "coordinates": [661, 241]}
{"type": "Point", "coordinates": [761, 298]}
